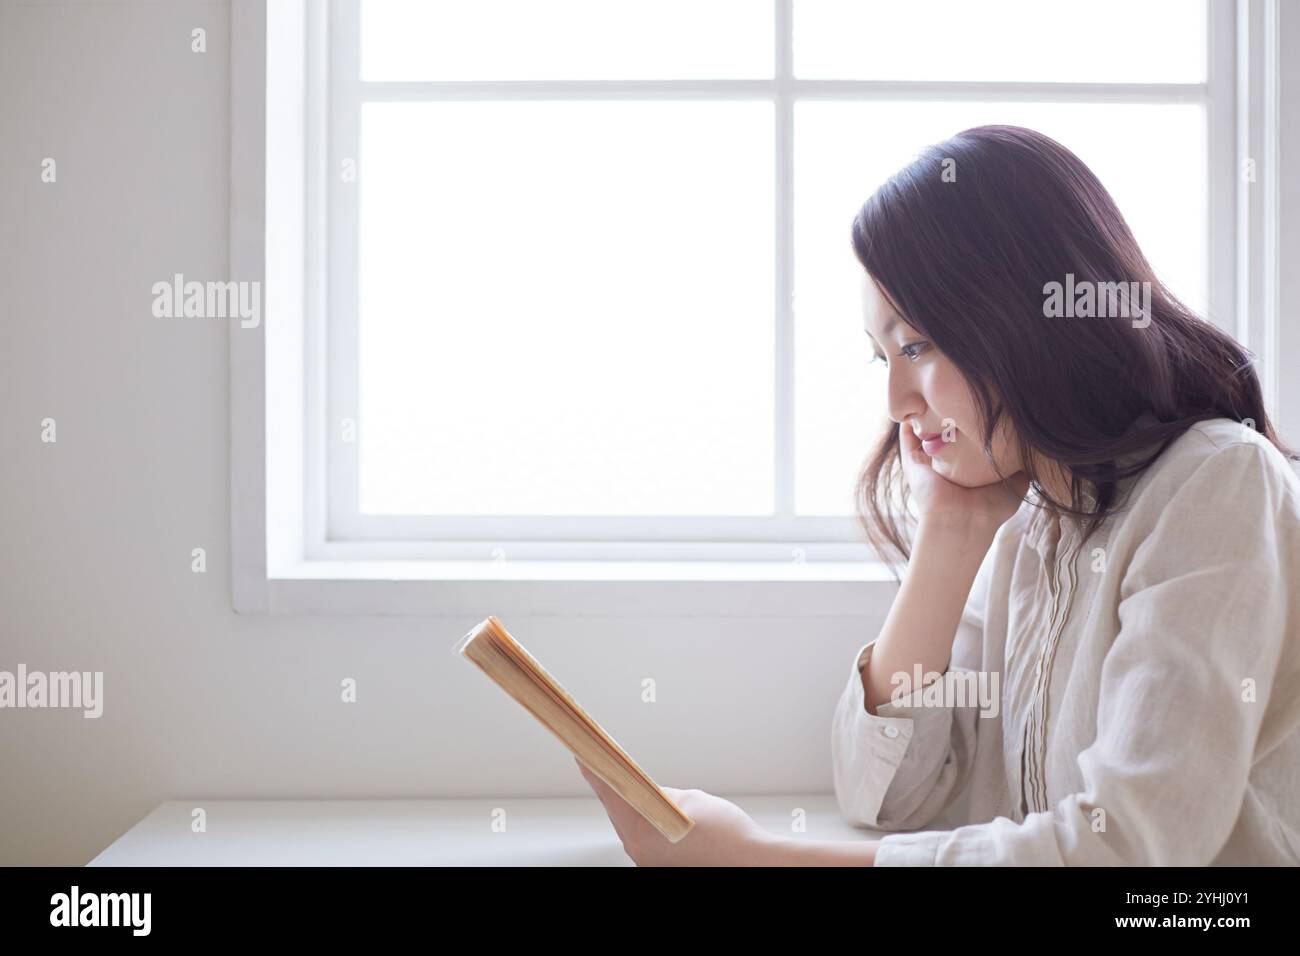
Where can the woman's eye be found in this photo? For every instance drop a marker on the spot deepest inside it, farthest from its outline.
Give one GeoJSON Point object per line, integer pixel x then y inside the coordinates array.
{"type": "Point", "coordinates": [910, 351]}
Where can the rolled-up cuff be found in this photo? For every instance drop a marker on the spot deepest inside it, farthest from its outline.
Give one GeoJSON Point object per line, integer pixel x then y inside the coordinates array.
{"type": "Point", "coordinates": [910, 849]}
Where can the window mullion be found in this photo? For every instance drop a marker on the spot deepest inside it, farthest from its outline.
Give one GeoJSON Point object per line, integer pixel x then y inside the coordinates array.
{"type": "Point", "coordinates": [344, 420]}
{"type": "Point", "coordinates": [784, 450]}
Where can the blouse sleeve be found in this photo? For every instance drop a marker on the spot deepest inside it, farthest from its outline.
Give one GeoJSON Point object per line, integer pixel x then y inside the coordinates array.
{"type": "Point", "coordinates": [1203, 619]}
{"type": "Point", "coordinates": [900, 768]}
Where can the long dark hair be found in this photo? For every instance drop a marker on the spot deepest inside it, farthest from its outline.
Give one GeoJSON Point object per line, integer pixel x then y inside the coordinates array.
{"type": "Point", "coordinates": [963, 241]}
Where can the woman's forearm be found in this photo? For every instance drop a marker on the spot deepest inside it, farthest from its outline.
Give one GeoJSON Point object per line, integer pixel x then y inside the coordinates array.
{"type": "Point", "coordinates": [922, 623]}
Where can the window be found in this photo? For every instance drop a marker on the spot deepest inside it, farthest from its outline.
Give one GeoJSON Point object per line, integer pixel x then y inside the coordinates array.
{"type": "Point", "coordinates": [579, 289]}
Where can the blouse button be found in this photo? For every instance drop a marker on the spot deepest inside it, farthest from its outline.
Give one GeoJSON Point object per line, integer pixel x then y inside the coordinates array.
{"type": "Point", "coordinates": [890, 731]}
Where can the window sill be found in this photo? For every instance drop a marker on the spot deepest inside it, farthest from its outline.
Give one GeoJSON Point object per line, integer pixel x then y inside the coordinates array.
{"type": "Point", "coordinates": [586, 571]}
{"type": "Point", "coordinates": [563, 589]}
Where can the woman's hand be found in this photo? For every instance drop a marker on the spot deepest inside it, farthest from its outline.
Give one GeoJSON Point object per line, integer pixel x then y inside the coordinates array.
{"type": "Point", "coordinates": [723, 835]}
{"type": "Point", "coordinates": [939, 500]}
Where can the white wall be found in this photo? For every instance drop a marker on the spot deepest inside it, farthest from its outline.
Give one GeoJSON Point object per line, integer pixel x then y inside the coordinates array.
{"type": "Point", "coordinates": [98, 528]}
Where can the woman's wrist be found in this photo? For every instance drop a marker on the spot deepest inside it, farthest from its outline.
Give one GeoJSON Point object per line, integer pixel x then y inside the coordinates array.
{"type": "Point", "coordinates": [974, 530]}
{"type": "Point", "coordinates": [787, 851]}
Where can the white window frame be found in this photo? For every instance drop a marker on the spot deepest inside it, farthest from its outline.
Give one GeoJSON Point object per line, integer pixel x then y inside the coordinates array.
{"type": "Point", "coordinates": [283, 559]}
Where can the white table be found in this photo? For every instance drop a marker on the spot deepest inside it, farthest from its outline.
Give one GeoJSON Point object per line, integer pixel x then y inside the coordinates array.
{"type": "Point", "coordinates": [571, 831]}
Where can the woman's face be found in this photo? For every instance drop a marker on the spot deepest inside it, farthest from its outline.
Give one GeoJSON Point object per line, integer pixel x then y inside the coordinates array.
{"type": "Point", "coordinates": [928, 393]}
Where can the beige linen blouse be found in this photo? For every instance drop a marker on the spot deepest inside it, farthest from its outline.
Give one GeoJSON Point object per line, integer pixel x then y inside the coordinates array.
{"type": "Point", "coordinates": [1149, 707]}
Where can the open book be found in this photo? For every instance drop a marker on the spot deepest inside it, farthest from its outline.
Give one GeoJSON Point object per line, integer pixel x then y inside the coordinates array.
{"type": "Point", "coordinates": [504, 660]}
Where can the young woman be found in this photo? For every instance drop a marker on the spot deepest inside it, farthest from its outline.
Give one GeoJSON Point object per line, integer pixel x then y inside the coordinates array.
{"type": "Point", "coordinates": [1099, 525]}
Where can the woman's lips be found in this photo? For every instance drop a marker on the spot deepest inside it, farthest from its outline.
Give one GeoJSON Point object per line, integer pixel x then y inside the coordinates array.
{"type": "Point", "coordinates": [932, 444]}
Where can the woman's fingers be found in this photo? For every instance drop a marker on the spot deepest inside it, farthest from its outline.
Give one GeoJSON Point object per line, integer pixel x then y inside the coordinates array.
{"type": "Point", "coordinates": [907, 438]}
{"type": "Point", "coordinates": [910, 446]}
{"type": "Point", "coordinates": [605, 794]}
{"type": "Point", "coordinates": [591, 778]}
